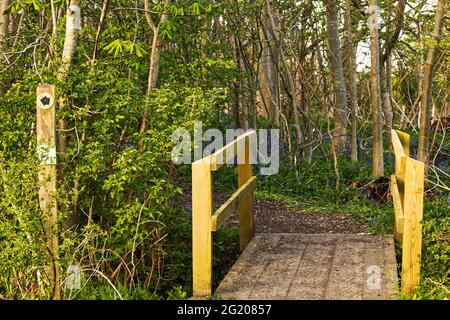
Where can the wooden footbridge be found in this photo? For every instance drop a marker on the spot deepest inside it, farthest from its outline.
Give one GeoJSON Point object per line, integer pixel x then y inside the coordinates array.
{"type": "Point", "coordinates": [300, 266]}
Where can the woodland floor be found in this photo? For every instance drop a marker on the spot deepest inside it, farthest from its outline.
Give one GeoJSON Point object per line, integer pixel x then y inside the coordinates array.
{"type": "Point", "coordinates": [276, 217]}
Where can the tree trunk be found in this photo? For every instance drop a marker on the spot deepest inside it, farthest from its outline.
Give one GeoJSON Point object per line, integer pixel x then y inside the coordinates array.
{"type": "Point", "coordinates": [285, 73]}
{"type": "Point", "coordinates": [155, 55]}
{"type": "Point", "coordinates": [269, 76]}
{"type": "Point", "coordinates": [298, 104]}
{"type": "Point", "coordinates": [375, 97]}
{"type": "Point", "coordinates": [385, 76]}
{"type": "Point", "coordinates": [351, 49]}
{"type": "Point", "coordinates": [427, 84]}
{"type": "Point", "coordinates": [4, 22]}
{"type": "Point", "coordinates": [240, 85]}
{"type": "Point", "coordinates": [73, 23]}
{"type": "Point", "coordinates": [337, 69]}
{"type": "Point", "coordinates": [100, 28]}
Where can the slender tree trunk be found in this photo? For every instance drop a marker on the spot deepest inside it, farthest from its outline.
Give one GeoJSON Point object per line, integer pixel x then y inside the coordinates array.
{"type": "Point", "coordinates": [285, 73]}
{"type": "Point", "coordinates": [388, 111]}
{"type": "Point", "coordinates": [155, 55]}
{"type": "Point", "coordinates": [264, 88]}
{"type": "Point", "coordinates": [53, 40]}
{"type": "Point", "coordinates": [337, 69]}
{"type": "Point", "coordinates": [73, 23]}
{"type": "Point", "coordinates": [427, 84]}
{"type": "Point", "coordinates": [242, 105]}
{"type": "Point", "coordinates": [385, 68]}
{"type": "Point", "coordinates": [100, 28]}
{"type": "Point", "coordinates": [298, 104]}
{"type": "Point", "coordinates": [269, 75]}
{"type": "Point", "coordinates": [375, 97]}
{"type": "Point", "coordinates": [4, 22]}
{"type": "Point", "coordinates": [351, 77]}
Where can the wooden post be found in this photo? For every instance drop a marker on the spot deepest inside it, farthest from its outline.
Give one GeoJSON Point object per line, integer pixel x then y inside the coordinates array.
{"type": "Point", "coordinates": [201, 228]}
{"type": "Point", "coordinates": [413, 215]}
{"type": "Point", "coordinates": [398, 210]}
{"type": "Point", "coordinates": [245, 208]}
{"type": "Point", "coordinates": [46, 148]}
{"type": "Point", "coordinates": [400, 142]}
{"type": "Point", "coordinates": [405, 140]}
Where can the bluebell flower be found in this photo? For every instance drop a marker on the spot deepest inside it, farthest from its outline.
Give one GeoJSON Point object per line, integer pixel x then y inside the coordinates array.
{"type": "Point", "coordinates": [188, 209]}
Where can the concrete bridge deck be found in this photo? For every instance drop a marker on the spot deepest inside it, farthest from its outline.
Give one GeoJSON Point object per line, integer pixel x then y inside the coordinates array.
{"type": "Point", "coordinates": [313, 267]}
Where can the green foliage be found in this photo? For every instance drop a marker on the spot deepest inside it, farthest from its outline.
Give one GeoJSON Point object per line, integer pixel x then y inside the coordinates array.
{"type": "Point", "coordinates": [117, 181]}
{"type": "Point", "coordinates": [16, 6]}
{"type": "Point", "coordinates": [436, 252]}
{"type": "Point", "coordinates": [133, 238]}
{"type": "Point", "coordinates": [117, 47]}
{"type": "Point", "coordinates": [167, 29]}
{"type": "Point", "coordinates": [22, 238]}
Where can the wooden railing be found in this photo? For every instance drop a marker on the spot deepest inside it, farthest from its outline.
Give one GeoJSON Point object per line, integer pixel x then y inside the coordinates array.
{"type": "Point", "coordinates": [204, 222]}
{"type": "Point", "coordinates": [407, 189]}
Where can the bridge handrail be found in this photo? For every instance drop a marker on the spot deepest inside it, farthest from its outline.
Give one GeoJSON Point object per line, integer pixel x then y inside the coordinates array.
{"type": "Point", "coordinates": [204, 222]}
{"type": "Point", "coordinates": [407, 189]}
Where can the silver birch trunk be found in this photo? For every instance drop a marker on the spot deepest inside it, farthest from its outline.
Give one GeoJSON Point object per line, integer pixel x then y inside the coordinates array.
{"type": "Point", "coordinates": [337, 69]}
{"type": "Point", "coordinates": [4, 22]}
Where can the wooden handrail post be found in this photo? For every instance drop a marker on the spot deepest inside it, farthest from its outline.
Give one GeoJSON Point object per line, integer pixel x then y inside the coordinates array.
{"type": "Point", "coordinates": [201, 228]}
{"type": "Point", "coordinates": [400, 154]}
{"type": "Point", "coordinates": [245, 172]}
{"type": "Point", "coordinates": [413, 215]}
{"type": "Point", "coordinates": [401, 145]}
{"type": "Point", "coordinates": [204, 223]}
{"type": "Point", "coordinates": [46, 148]}
{"type": "Point", "coordinates": [405, 139]}
{"type": "Point", "coordinates": [407, 187]}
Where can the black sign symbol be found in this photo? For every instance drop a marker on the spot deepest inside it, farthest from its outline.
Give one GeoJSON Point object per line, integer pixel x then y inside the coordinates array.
{"type": "Point", "coordinates": [45, 101]}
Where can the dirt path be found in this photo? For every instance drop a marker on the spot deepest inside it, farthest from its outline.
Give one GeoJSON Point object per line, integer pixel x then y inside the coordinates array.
{"type": "Point", "coordinates": [275, 217]}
